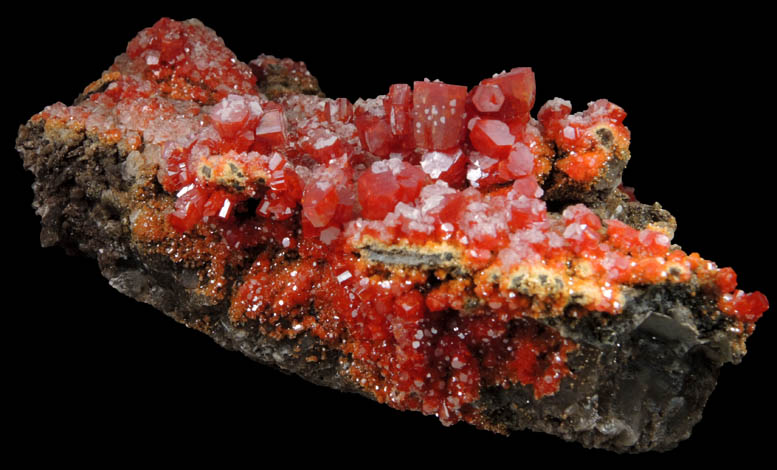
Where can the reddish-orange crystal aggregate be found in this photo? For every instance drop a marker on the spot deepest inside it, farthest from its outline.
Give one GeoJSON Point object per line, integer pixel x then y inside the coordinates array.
{"type": "Point", "coordinates": [430, 168]}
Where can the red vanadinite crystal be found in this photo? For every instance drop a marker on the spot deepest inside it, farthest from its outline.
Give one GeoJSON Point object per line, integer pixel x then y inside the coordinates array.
{"type": "Point", "coordinates": [519, 90]}
{"type": "Point", "coordinates": [745, 307]}
{"type": "Point", "coordinates": [491, 137]}
{"type": "Point", "coordinates": [434, 169]}
{"type": "Point", "coordinates": [235, 114]}
{"type": "Point", "coordinates": [488, 98]}
{"type": "Point", "coordinates": [726, 280]}
{"type": "Point", "coordinates": [386, 184]}
{"type": "Point", "coordinates": [220, 205]}
{"type": "Point", "coordinates": [272, 127]}
{"type": "Point", "coordinates": [374, 130]}
{"type": "Point", "coordinates": [552, 115]}
{"type": "Point", "coordinates": [438, 114]}
{"type": "Point", "coordinates": [449, 166]}
{"type": "Point", "coordinates": [188, 208]}
{"type": "Point", "coordinates": [399, 105]}
{"type": "Point", "coordinates": [176, 171]}
{"type": "Point", "coordinates": [322, 144]}
{"type": "Point", "coordinates": [519, 162]}
{"type": "Point", "coordinates": [319, 203]}
{"type": "Point", "coordinates": [339, 110]}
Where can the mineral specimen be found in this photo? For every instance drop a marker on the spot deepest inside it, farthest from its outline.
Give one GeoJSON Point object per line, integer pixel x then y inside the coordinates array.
{"type": "Point", "coordinates": [436, 248]}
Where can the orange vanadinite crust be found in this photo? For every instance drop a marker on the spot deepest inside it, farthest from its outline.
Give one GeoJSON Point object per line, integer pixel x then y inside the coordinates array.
{"type": "Point", "coordinates": [303, 189]}
{"type": "Point", "coordinates": [583, 157]}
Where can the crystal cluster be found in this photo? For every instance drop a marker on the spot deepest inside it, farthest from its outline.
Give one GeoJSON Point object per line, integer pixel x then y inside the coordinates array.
{"type": "Point", "coordinates": [410, 231]}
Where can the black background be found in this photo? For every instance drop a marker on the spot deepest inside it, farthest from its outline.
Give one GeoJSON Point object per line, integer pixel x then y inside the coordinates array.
{"type": "Point", "coordinates": [93, 370]}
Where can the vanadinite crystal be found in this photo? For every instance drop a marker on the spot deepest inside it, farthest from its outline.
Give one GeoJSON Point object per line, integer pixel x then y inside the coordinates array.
{"type": "Point", "coordinates": [409, 235]}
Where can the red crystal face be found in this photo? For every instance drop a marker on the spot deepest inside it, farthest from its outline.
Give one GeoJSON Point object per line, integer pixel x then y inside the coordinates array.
{"type": "Point", "coordinates": [319, 186]}
{"type": "Point", "coordinates": [518, 88]}
{"type": "Point", "coordinates": [438, 115]}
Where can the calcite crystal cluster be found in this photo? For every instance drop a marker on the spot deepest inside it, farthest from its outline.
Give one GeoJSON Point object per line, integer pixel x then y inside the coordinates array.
{"type": "Point", "coordinates": [436, 248]}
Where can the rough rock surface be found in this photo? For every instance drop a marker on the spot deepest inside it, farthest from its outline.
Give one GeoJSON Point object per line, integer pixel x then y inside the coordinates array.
{"type": "Point", "coordinates": [641, 377]}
